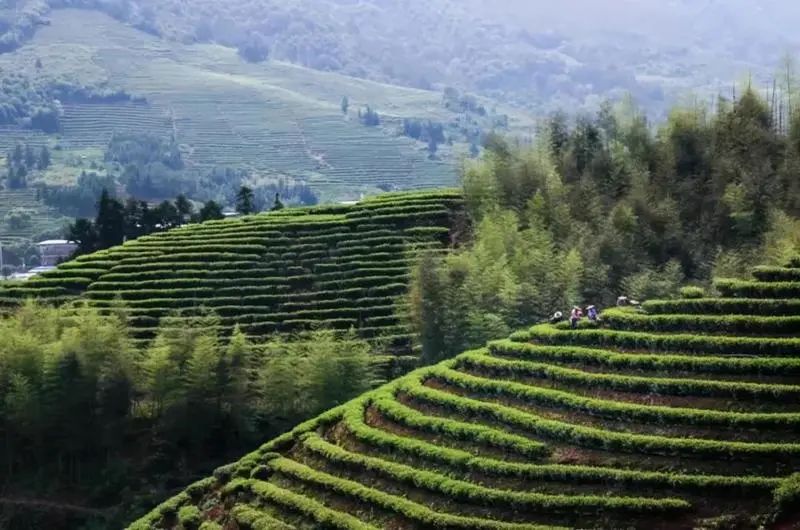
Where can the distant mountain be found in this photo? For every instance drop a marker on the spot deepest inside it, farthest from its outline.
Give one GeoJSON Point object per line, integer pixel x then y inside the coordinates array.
{"type": "Point", "coordinates": [538, 54]}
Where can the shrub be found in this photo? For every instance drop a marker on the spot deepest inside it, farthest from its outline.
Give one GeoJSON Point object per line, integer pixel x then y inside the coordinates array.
{"type": "Point", "coordinates": [189, 517]}
{"type": "Point", "coordinates": [636, 361]}
{"type": "Point", "coordinates": [696, 344]}
{"type": "Point", "coordinates": [747, 289]}
{"type": "Point", "coordinates": [598, 407]}
{"type": "Point", "coordinates": [787, 496]}
{"type": "Point", "coordinates": [664, 283]}
{"type": "Point", "coordinates": [733, 324]}
{"type": "Point", "coordinates": [416, 448]}
{"type": "Point", "coordinates": [692, 292]}
{"type": "Point", "coordinates": [725, 306]}
{"type": "Point", "coordinates": [473, 493]}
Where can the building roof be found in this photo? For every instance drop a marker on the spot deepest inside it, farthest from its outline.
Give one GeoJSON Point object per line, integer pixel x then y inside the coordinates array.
{"type": "Point", "coordinates": [55, 242]}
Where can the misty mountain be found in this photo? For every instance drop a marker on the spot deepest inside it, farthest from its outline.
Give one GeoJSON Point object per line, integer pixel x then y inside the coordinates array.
{"type": "Point", "coordinates": [534, 53]}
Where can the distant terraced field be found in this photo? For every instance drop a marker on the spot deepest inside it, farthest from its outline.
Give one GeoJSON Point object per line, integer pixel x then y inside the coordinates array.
{"type": "Point", "coordinates": [274, 118]}
{"type": "Point", "coordinates": [682, 415]}
{"type": "Point", "coordinates": [334, 266]}
{"type": "Point", "coordinates": [43, 218]}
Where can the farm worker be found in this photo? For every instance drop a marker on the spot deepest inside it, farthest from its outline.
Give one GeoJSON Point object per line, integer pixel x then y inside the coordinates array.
{"type": "Point", "coordinates": [558, 316]}
{"type": "Point", "coordinates": [591, 313]}
{"type": "Point", "coordinates": [622, 301]}
{"type": "Point", "coordinates": [574, 316]}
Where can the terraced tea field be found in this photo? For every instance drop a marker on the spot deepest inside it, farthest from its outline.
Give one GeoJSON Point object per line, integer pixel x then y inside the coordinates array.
{"type": "Point", "coordinates": [93, 124]}
{"type": "Point", "coordinates": [43, 218]}
{"type": "Point", "coordinates": [273, 118]}
{"type": "Point", "coordinates": [333, 266]}
{"type": "Point", "coordinates": [683, 415]}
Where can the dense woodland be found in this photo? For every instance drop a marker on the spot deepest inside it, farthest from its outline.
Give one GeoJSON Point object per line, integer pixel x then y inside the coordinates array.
{"type": "Point", "coordinates": [606, 206]}
{"type": "Point", "coordinates": [85, 408]}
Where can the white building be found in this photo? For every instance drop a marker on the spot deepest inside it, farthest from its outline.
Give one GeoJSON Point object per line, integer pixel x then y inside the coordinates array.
{"type": "Point", "coordinates": [54, 251]}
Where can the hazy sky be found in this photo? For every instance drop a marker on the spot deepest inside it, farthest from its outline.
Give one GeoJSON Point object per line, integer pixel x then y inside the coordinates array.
{"type": "Point", "coordinates": [766, 20]}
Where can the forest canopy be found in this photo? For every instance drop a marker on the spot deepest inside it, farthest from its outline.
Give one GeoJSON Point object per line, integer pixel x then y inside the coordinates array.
{"type": "Point", "coordinates": [85, 407]}
{"type": "Point", "coordinates": [603, 207]}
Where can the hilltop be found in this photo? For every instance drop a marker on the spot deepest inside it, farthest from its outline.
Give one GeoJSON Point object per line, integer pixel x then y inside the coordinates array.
{"type": "Point", "coordinates": [680, 415]}
{"type": "Point", "coordinates": [333, 266]}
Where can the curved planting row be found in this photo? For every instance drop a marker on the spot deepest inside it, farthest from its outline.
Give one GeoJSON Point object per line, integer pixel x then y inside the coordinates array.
{"type": "Point", "coordinates": [672, 418]}
{"type": "Point", "coordinates": [339, 266]}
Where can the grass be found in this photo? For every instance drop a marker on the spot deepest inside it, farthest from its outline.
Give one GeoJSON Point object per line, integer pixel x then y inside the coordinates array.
{"type": "Point", "coordinates": [608, 427]}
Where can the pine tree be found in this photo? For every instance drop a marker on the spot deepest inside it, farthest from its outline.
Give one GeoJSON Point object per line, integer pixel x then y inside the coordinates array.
{"type": "Point", "coordinates": [18, 155]}
{"type": "Point", "coordinates": [83, 232]}
{"type": "Point", "coordinates": [244, 201]}
{"type": "Point", "coordinates": [44, 158]}
{"type": "Point", "coordinates": [110, 221]}
{"type": "Point", "coordinates": [19, 179]}
{"type": "Point", "coordinates": [184, 208]}
{"type": "Point", "coordinates": [133, 214]}
{"type": "Point", "coordinates": [30, 157]}
{"type": "Point", "coordinates": [167, 215]}
{"type": "Point", "coordinates": [210, 211]}
{"type": "Point", "coordinates": [277, 205]}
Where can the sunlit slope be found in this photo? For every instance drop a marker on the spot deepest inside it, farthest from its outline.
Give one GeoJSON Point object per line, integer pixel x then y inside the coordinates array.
{"type": "Point", "coordinates": [683, 415]}
{"type": "Point", "coordinates": [274, 118]}
{"type": "Point", "coordinates": [333, 266]}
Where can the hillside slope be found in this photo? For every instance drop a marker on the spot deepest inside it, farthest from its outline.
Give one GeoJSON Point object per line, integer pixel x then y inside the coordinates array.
{"type": "Point", "coordinates": [683, 415]}
{"type": "Point", "coordinates": [275, 119]}
{"type": "Point", "coordinates": [42, 219]}
{"type": "Point", "coordinates": [540, 54]}
{"type": "Point", "coordinates": [333, 266]}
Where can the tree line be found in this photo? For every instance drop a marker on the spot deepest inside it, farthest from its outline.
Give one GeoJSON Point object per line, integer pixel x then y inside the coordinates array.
{"type": "Point", "coordinates": [22, 161]}
{"type": "Point", "coordinates": [117, 222]}
{"type": "Point", "coordinates": [607, 205]}
{"type": "Point", "coordinates": [87, 410]}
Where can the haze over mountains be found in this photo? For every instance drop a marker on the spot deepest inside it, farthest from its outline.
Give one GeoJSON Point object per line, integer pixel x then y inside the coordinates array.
{"type": "Point", "coordinates": [535, 53]}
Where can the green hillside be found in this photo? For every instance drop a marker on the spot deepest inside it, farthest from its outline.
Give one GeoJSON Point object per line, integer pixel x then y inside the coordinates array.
{"type": "Point", "coordinates": [273, 118]}
{"type": "Point", "coordinates": [40, 218]}
{"type": "Point", "coordinates": [333, 266]}
{"type": "Point", "coordinates": [681, 415]}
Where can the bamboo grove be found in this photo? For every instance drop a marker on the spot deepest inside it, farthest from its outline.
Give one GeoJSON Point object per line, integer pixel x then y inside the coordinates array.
{"type": "Point", "coordinates": [607, 205]}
